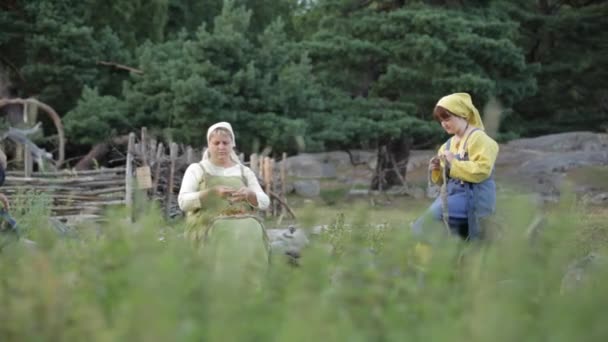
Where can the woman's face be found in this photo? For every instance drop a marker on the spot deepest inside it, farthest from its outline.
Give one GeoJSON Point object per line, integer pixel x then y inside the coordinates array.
{"type": "Point", "coordinates": [220, 146]}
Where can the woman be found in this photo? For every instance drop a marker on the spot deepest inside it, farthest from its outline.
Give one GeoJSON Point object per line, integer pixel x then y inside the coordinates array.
{"type": "Point", "coordinates": [219, 196]}
{"type": "Point", "coordinates": [468, 158]}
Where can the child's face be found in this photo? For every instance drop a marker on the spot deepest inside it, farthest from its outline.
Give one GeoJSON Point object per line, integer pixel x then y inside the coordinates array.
{"type": "Point", "coordinates": [453, 124]}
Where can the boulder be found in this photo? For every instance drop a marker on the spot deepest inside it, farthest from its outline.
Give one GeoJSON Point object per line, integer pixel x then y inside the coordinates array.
{"type": "Point", "coordinates": [289, 241]}
{"type": "Point", "coordinates": [580, 272]}
{"type": "Point", "coordinates": [564, 142]}
{"type": "Point", "coordinates": [325, 164]}
{"type": "Point", "coordinates": [308, 166]}
{"type": "Point", "coordinates": [596, 199]}
{"type": "Point", "coordinates": [307, 187]}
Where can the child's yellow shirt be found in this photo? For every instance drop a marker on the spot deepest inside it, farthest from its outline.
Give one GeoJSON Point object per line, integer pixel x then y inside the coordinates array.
{"type": "Point", "coordinates": [482, 151]}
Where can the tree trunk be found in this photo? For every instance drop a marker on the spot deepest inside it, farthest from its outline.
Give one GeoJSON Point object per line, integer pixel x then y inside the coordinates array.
{"type": "Point", "coordinates": [99, 151]}
{"type": "Point", "coordinates": [391, 166]}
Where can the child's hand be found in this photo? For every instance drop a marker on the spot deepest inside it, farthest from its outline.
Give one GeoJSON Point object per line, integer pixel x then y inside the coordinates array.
{"type": "Point", "coordinates": [434, 164]}
{"type": "Point", "coordinates": [449, 156]}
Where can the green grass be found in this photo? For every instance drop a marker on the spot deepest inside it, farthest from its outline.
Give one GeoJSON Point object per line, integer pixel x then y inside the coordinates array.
{"type": "Point", "coordinates": [378, 209]}
{"type": "Point", "coordinates": [333, 196]}
{"type": "Point", "coordinates": [121, 281]}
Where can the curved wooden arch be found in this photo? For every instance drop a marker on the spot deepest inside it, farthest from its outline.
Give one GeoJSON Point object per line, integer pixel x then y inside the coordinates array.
{"type": "Point", "coordinates": [51, 113]}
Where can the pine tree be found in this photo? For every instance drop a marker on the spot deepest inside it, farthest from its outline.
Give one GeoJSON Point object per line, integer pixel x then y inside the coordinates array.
{"type": "Point", "coordinates": [396, 61]}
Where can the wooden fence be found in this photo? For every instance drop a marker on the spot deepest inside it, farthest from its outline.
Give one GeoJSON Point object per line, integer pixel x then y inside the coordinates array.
{"type": "Point", "coordinates": [72, 194]}
{"type": "Point", "coordinates": [151, 168]}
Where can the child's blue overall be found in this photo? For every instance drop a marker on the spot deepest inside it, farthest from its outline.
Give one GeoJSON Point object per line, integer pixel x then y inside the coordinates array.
{"type": "Point", "coordinates": [467, 202]}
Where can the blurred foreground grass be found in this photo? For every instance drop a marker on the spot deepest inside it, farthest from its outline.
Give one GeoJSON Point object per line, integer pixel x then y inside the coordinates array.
{"type": "Point", "coordinates": [141, 281]}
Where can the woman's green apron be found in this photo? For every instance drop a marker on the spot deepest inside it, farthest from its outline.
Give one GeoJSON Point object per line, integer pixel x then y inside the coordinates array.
{"type": "Point", "coordinates": [230, 235]}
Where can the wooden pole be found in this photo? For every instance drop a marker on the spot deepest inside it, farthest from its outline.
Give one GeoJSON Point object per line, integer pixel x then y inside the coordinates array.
{"type": "Point", "coordinates": [267, 175]}
{"type": "Point", "coordinates": [19, 153]}
{"type": "Point", "coordinates": [272, 183]}
{"type": "Point", "coordinates": [143, 145]}
{"type": "Point", "coordinates": [261, 166]}
{"type": "Point", "coordinates": [159, 160]}
{"type": "Point", "coordinates": [152, 151]}
{"type": "Point", "coordinates": [284, 181]}
{"type": "Point", "coordinates": [129, 171]}
{"type": "Point", "coordinates": [189, 155]}
{"type": "Point", "coordinates": [173, 157]}
{"type": "Point", "coordinates": [28, 164]}
{"type": "Point", "coordinates": [253, 162]}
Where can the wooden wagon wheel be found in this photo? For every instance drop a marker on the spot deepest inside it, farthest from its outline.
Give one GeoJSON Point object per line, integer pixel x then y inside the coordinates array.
{"type": "Point", "coordinates": [54, 117]}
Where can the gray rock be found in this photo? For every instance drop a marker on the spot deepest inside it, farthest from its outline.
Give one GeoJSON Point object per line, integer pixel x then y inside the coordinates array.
{"type": "Point", "coordinates": [562, 162]}
{"type": "Point", "coordinates": [419, 158]}
{"type": "Point", "coordinates": [318, 230]}
{"type": "Point", "coordinates": [307, 187]}
{"type": "Point", "coordinates": [537, 165]}
{"type": "Point", "coordinates": [289, 188]}
{"type": "Point", "coordinates": [596, 199]}
{"type": "Point", "coordinates": [289, 241]}
{"type": "Point", "coordinates": [511, 156]}
{"type": "Point", "coordinates": [341, 158]}
{"type": "Point", "coordinates": [308, 166]}
{"type": "Point", "coordinates": [564, 142]}
{"type": "Point", "coordinates": [580, 272]}
{"type": "Point", "coordinates": [544, 173]}
{"type": "Point", "coordinates": [416, 192]}
{"type": "Point", "coordinates": [325, 164]}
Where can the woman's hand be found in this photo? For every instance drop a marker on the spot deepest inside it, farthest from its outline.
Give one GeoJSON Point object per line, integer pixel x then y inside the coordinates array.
{"type": "Point", "coordinates": [220, 191]}
{"type": "Point", "coordinates": [242, 195]}
{"type": "Point", "coordinates": [224, 191]}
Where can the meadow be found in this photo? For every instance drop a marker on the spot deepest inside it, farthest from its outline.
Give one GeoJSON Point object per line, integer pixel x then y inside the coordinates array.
{"type": "Point", "coordinates": [365, 278]}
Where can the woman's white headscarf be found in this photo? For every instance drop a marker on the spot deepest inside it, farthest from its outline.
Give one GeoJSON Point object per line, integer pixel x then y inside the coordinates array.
{"type": "Point", "coordinates": [228, 127]}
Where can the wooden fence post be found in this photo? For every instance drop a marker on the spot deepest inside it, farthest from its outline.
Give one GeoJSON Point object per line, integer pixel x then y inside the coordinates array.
{"type": "Point", "coordinates": [28, 163]}
{"type": "Point", "coordinates": [267, 178]}
{"type": "Point", "coordinates": [253, 163]}
{"type": "Point", "coordinates": [189, 155]}
{"type": "Point", "coordinates": [143, 144]}
{"type": "Point", "coordinates": [272, 184]}
{"type": "Point", "coordinates": [173, 157]}
{"type": "Point", "coordinates": [160, 150]}
{"type": "Point", "coordinates": [129, 171]}
{"type": "Point", "coordinates": [284, 181]}
{"type": "Point", "coordinates": [153, 145]}
{"type": "Point", "coordinates": [261, 167]}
